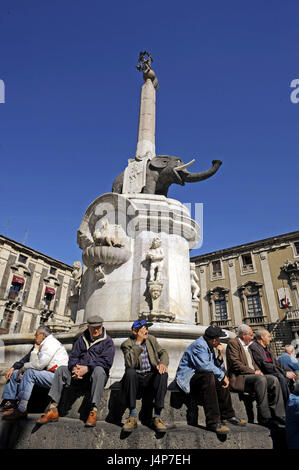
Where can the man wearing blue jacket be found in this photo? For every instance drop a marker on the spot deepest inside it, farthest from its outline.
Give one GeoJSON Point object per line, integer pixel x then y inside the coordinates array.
{"type": "Point", "coordinates": [90, 361]}
{"type": "Point", "coordinates": [201, 372]}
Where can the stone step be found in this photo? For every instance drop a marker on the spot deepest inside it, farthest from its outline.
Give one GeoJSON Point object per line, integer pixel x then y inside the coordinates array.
{"type": "Point", "coordinates": [69, 433]}
{"type": "Point", "coordinates": [177, 407]}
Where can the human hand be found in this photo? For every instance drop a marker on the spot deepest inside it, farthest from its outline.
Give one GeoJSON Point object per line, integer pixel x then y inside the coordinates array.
{"type": "Point", "coordinates": [8, 374]}
{"type": "Point", "coordinates": [79, 371]}
{"type": "Point", "coordinates": [20, 373]}
{"type": "Point", "coordinates": [226, 382]}
{"type": "Point", "coordinates": [291, 375]}
{"type": "Point", "coordinates": [220, 349]}
{"type": "Point", "coordinates": [161, 368]}
{"type": "Point", "coordinates": [258, 372]}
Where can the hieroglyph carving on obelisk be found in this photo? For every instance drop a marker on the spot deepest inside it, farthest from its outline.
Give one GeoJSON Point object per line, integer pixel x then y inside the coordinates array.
{"type": "Point", "coordinates": [135, 173]}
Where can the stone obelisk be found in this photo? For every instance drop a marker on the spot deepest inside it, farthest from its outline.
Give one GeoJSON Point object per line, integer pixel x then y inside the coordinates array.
{"type": "Point", "coordinates": [135, 173]}
{"type": "Point", "coordinates": [147, 113]}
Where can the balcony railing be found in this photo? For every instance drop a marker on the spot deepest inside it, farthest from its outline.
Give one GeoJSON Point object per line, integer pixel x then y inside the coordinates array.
{"type": "Point", "coordinates": [247, 267]}
{"type": "Point", "coordinates": [222, 323]}
{"type": "Point", "coordinates": [255, 320]}
{"type": "Point", "coordinates": [292, 315]}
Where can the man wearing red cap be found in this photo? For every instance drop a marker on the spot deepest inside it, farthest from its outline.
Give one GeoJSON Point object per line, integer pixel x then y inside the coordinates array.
{"type": "Point", "coordinates": [146, 366]}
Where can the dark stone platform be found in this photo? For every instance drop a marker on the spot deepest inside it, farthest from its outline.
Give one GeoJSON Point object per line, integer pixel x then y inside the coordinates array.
{"type": "Point", "coordinates": [184, 418]}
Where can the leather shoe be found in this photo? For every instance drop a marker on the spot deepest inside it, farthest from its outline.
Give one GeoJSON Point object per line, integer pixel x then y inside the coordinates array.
{"type": "Point", "coordinates": [50, 415]}
{"type": "Point", "coordinates": [218, 428]}
{"type": "Point", "coordinates": [14, 413]}
{"type": "Point", "coordinates": [130, 424]}
{"type": "Point", "coordinates": [92, 419]}
{"type": "Point", "coordinates": [8, 405]}
{"type": "Point", "coordinates": [236, 421]}
{"type": "Point", "coordinates": [159, 425]}
{"type": "Point", "coordinates": [280, 420]}
{"type": "Point", "coordinates": [271, 423]}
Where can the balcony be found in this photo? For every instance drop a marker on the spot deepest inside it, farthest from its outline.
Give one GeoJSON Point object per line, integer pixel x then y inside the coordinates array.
{"type": "Point", "coordinates": [292, 315]}
{"type": "Point", "coordinates": [247, 268]}
{"type": "Point", "coordinates": [227, 323]}
{"type": "Point", "coordinates": [255, 320]}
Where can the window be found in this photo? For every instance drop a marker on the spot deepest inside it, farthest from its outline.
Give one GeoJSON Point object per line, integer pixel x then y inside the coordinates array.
{"type": "Point", "coordinates": [14, 290]}
{"type": "Point", "coordinates": [7, 319]}
{"type": "Point", "coordinates": [254, 306]}
{"type": "Point", "coordinates": [247, 262]}
{"type": "Point", "coordinates": [23, 259]}
{"type": "Point", "coordinates": [47, 299]}
{"type": "Point", "coordinates": [221, 311]}
{"type": "Point", "coordinates": [216, 268]}
{"type": "Point", "coordinates": [53, 271]}
{"type": "Point", "coordinates": [296, 245]}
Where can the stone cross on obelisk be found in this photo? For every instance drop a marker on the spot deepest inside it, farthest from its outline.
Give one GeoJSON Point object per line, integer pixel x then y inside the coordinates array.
{"type": "Point", "coordinates": [135, 173]}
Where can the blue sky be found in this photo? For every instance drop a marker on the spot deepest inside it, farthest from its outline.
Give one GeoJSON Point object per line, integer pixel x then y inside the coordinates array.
{"type": "Point", "coordinates": [69, 123]}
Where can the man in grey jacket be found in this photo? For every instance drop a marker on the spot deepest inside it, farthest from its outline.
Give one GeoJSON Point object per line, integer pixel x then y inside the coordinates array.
{"type": "Point", "coordinates": [146, 366]}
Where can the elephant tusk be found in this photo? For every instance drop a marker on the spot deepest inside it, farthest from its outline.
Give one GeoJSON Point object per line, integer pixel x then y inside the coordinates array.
{"type": "Point", "coordinates": [182, 167]}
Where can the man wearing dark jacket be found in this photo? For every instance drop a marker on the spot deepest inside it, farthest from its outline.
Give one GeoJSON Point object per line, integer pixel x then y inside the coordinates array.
{"type": "Point", "coordinates": [245, 376]}
{"type": "Point", "coordinates": [268, 364]}
{"type": "Point", "coordinates": [90, 361]}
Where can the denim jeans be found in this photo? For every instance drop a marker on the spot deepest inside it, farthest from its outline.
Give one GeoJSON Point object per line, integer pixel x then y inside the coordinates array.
{"type": "Point", "coordinates": [11, 387]}
{"type": "Point", "coordinates": [21, 389]}
{"type": "Point", "coordinates": [32, 377]}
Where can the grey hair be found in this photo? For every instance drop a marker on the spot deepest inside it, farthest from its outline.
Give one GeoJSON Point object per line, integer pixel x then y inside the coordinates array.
{"type": "Point", "coordinates": [243, 330]}
{"type": "Point", "coordinates": [289, 348]}
{"type": "Point", "coordinates": [260, 332]}
{"type": "Point", "coordinates": [45, 330]}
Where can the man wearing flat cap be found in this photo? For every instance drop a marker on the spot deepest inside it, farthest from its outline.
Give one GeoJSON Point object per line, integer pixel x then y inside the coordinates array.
{"type": "Point", "coordinates": [89, 363]}
{"type": "Point", "coordinates": [146, 366]}
{"type": "Point", "coordinates": [201, 372]}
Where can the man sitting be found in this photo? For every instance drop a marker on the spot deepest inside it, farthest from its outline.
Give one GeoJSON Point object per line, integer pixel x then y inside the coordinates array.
{"type": "Point", "coordinates": [245, 376]}
{"type": "Point", "coordinates": [39, 369]}
{"type": "Point", "coordinates": [89, 363]}
{"type": "Point", "coordinates": [268, 364]}
{"type": "Point", "coordinates": [288, 358]}
{"type": "Point", "coordinates": [201, 372]}
{"type": "Point", "coordinates": [146, 367]}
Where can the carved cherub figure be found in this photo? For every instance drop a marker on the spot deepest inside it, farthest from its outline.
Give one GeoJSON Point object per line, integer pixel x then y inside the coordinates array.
{"type": "Point", "coordinates": [156, 257]}
{"type": "Point", "coordinates": [195, 289]}
{"type": "Point", "coordinates": [77, 275]}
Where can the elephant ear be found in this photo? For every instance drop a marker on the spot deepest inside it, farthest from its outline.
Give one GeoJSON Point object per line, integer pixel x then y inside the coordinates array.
{"type": "Point", "coordinates": [157, 163]}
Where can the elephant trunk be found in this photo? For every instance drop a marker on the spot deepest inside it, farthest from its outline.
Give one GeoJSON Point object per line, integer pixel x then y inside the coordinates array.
{"type": "Point", "coordinates": [188, 177]}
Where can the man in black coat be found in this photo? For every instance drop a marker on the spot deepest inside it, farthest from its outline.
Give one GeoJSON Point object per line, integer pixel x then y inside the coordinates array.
{"type": "Point", "coordinates": [268, 364]}
{"type": "Point", "coordinates": [89, 362]}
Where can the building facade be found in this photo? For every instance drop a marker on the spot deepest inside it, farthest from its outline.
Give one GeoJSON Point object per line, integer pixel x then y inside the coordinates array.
{"type": "Point", "coordinates": [34, 289]}
{"type": "Point", "coordinates": [256, 283]}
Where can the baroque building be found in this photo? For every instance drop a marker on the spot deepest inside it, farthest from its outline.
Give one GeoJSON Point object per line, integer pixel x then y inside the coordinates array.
{"type": "Point", "coordinates": [256, 283]}
{"type": "Point", "coordinates": [34, 289]}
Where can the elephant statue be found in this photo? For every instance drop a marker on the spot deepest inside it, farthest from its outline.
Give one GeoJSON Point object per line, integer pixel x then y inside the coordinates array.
{"type": "Point", "coordinates": [164, 170]}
